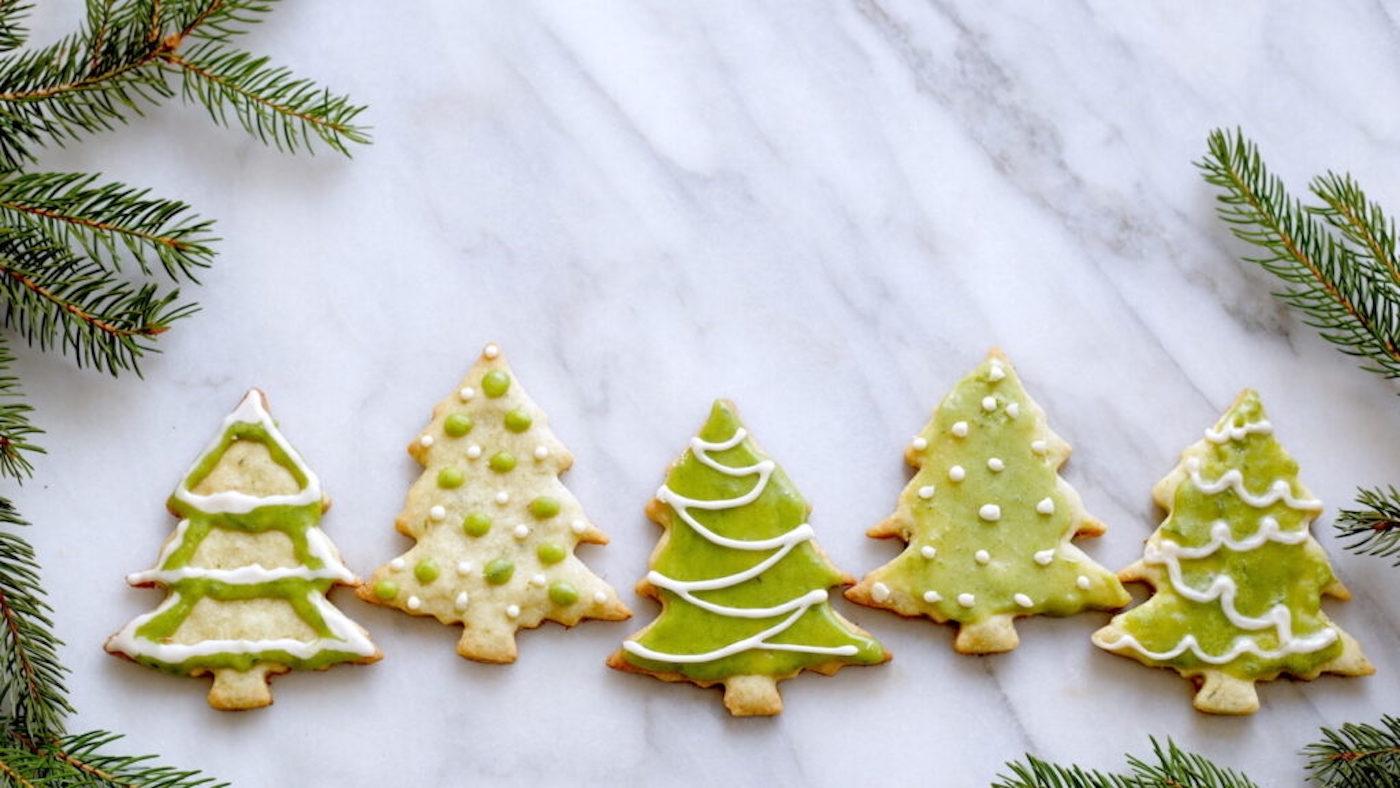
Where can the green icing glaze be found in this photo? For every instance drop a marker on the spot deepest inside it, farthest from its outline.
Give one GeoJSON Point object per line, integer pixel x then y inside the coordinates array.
{"type": "Point", "coordinates": [386, 589]}
{"type": "Point", "coordinates": [562, 594]}
{"type": "Point", "coordinates": [1292, 575]}
{"type": "Point", "coordinates": [949, 521]}
{"type": "Point", "coordinates": [502, 462]}
{"type": "Point", "coordinates": [426, 571]}
{"type": "Point", "coordinates": [457, 425]}
{"type": "Point", "coordinates": [518, 420]}
{"type": "Point", "coordinates": [544, 507]}
{"type": "Point", "coordinates": [449, 478]}
{"type": "Point", "coordinates": [495, 383]}
{"type": "Point", "coordinates": [684, 628]}
{"type": "Point", "coordinates": [550, 553]}
{"type": "Point", "coordinates": [294, 590]}
{"type": "Point", "coordinates": [476, 524]}
{"type": "Point", "coordinates": [245, 662]}
{"type": "Point", "coordinates": [499, 571]}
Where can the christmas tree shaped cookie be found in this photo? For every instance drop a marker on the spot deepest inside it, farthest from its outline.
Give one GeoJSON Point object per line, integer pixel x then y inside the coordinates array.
{"type": "Point", "coordinates": [247, 571]}
{"type": "Point", "coordinates": [742, 586]}
{"type": "Point", "coordinates": [1237, 578]}
{"type": "Point", "coordinates": [988, 520]}
{"type": "Point", "coordinates": [495, 527]}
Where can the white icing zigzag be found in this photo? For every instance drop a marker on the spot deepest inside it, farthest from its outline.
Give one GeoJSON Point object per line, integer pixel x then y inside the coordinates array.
{"type": "Point", "coordinates": [784, 544]}
{"type": "Point", "coordinates": [1232, 479]}
{"type": "Point", "coordinates": [1262, 427]}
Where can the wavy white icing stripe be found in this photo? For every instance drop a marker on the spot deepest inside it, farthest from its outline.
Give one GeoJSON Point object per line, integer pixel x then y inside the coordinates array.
{"type": "Point", "coordinates": [347, 637]}
{"type": "Point", "coordinates": [250, 411]}
{"type": "Point", "coordinates": [1224, 589]}
{"type": "Point", "coordinates": [784, 543]}
{"type": "Point", "coordinates": [1233, 479]}
{"type": "Point", "coordinates": [317, 543]}
{"type": "Point", "coordinates": [1262, 427]}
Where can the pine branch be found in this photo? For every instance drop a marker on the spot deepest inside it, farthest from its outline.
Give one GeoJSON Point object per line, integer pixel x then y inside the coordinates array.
{"type": "Point", "coordinates": [79, 760]}
{"type": "Point", "coordinates": [16, 431]}
{"type": "Point", "coordinates": [56, 300]}
{"type": "Point", "coordinates": [1363, 222]}
{"type": "Point", "coordinates": [220, 21]}
{"type": "Point", "coordinates": [268, 101]}
{"type": "Point", "coordinates": [12, 32]}
{"type": "Point", "coordinates": [1172, 768]}
{"type": "Point", "coordinates": [32, 691]}
{"type": "Point", "coordinates": [1357, 754]}
{"type": "Point", "coordinates": [1333, 286]}
{"type": "Point", "coordinates": [108, 222]}
{"type": "Point", "coordinates": [1375, 528]}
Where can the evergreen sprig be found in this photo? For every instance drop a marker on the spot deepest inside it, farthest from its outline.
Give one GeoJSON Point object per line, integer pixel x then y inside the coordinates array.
{"type": "Point", "coordinates": [91, 269]}
{"type": "Point", "coordinates": [1171, 767]}
{"type": "Point", "coordinates": [1346, 283]}
{"type": "Point", "coordinates": [1357, 755]}
{"type": "Point", "coordinates": [1373, 529]}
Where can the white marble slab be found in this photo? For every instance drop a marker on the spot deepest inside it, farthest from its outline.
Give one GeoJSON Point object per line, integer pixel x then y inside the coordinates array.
{"type": "Point", "coordinates": [826, 211]}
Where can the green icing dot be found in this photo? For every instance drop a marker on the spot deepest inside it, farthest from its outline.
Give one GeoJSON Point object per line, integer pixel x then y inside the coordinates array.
{"type": "Point", "coordinates": [498, 572]}
{"type": "Point", "coordinates": [518, 421]}
{"type": "Point", "coordinates": [386, 589]}
{"type": "Point", "coordinates": [495, 383]}
{"type": "Point", "coordinates": [457, 425]}
{"type": "Point", "coordinates": [426, 571]}
{"type": "Point", "coordinates": [476, 524]}
{"type": "Point", "coordinates": [562, 594]}
{"type": "Point", "coordinates": [550, 553]}
{"type": "Point", "coordinates": [502, 461]}
{"type": "Point", "coordinates": [544, 507]}
{"type": "Point", "coordinates": [450, 477]}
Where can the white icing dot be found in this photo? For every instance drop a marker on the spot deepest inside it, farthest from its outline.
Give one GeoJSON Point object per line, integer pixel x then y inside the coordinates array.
{"type": "Point", "coordinates": [521, 531]}
{"type": "Point", "coordinates": [920, 443]}
{"type": "Point", "coordinates": [926, 492]}
{"type": "Point", "coordinates": [437, 513]}
{"type": "Point", "coordinates": [1023, 600]}
{"type": "Point", "coordinates": [464, 568]}
{"type": "Point", "coordinates": [928, 552]}
{"type": "Point", "coordinates": [491, 351]}
{"type": "Point", "coordinates": [466, 394]}
{"type": "Point", "coordinates": [1046, 506]}
{"type": "Point", "coordinates": [600, 597]}
{"type": "Point", "coordinates": [967, 600]}
{"type": "Point", "coordinates": [956, 473]}
{"type": "Point", "coordinates": [513, 611]}
{"type": "Point", "coordinates": [1082, 582]}
{"type": "Point", "coordinates": [982, 556]}
{"type": "Point", "coordinates": [537, 580]}
{"type": "Point", "coordinates": [960, 429]}
{"type": "Point", "coordinates": [995, 465]}
{"type": "Point", "coordinates": [473, 451]}
{"type": "Point", "coordinates": [1013, 410]}
{"type": "Point", "coordinates": [541, 452]}
{"type": "Point", "coordinates": [462, 601]}
{"type": "Point", "coordinates": [1039, 446]}
{"type": "Point", "coordinates": [989, 403]}
{"type": "Point", "coordinates": [1044, 557]}
{"type": "Point", "coordinates": [989, 512]}
{"type": "Point", "coordinates": [425, 441]}
{"type": "Point", "coordinates": [502, 497]}
{"type": "Point", "coordinates": [414, 603]}
{"type": "Point", "coordinates": [578, 526]}
{"type": "Point", "coordinates": [932, 596]}
{"type": "Point", "coordinates": [879, 592]}
{"type": "Point", "coordinates": [995, 373]}
{"type": "Point", "coordinates": [397, 563]}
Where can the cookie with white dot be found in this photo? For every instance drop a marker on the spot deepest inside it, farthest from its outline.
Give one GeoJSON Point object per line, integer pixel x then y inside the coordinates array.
{"type": "Point", "coordinates": [495, 528]}
{"type": "Point", "coordinates": [989, 520]}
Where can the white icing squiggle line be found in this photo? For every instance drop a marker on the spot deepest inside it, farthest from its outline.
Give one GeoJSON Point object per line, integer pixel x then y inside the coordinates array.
{"type": "Point", "coordinates": [317, 543]}
{"type": "Point", "coordinates": [1262, 427]}
{"type": "Point", "coordinates": [346, 637]}
{"type": "Point", "coordinates": [1232, 479]}
{"type": "Point", "coordinates": [251, 411]}
{"type": "Point", "coordinates": [784, 542]}
{"type": "Point", "coordinates": [1241, 645]}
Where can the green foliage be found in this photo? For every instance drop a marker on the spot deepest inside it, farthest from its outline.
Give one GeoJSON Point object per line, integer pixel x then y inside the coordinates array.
{"type": "Point", "coordinates": [1375, 528]}
{"type": "Point", "coordinates": [1172, 767]}
{"type": "Point", "coordinates": [1346, 280]}
{"type": "Point", "coordinates": [91, 269]}
{"type": "Point", "coordinates": [1357, 755]}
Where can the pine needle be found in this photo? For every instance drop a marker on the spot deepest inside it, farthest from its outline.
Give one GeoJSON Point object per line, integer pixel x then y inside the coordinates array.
{"type": "Point", "coordinates": [1357, 755]}
{"type": "Point", "coordinates": [1172, 767]}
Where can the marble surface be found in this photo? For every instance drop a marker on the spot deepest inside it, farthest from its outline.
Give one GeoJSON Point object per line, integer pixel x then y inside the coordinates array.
{"type": "Point", "coordinates": [825, 211]}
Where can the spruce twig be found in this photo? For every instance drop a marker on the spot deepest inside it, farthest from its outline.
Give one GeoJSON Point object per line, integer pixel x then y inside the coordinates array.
{"type": "Point", "coordinates": [1171, 767]}
{"type": "Point", "coordinates": [1375, 528]}
{"type": "Point", "coordinates": [32, 691]}
{"type": "Point", "coordinates": [1357, 755]}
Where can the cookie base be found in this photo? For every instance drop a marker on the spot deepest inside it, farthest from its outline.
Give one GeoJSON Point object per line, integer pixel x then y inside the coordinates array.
{"type": "Point", "coordinates": [236, 690]}
{"type": "Point", "coordinates": [993, 636]}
